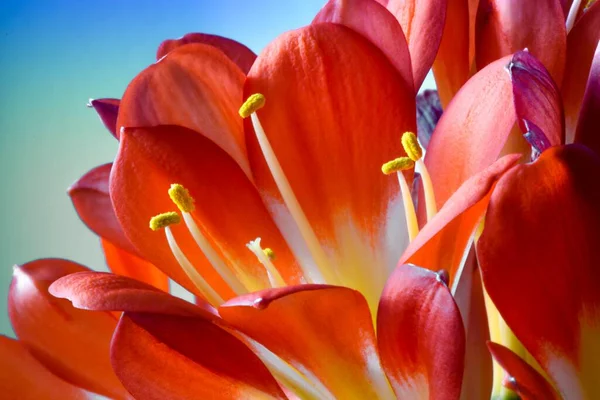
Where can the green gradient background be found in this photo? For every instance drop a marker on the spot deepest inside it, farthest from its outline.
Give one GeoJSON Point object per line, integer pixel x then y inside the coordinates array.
{"type": "Point", "coordinates": [54, 55]}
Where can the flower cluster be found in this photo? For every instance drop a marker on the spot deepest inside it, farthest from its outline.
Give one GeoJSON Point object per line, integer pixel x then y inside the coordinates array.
{"type": "Point", "coordinates": [469, 268]}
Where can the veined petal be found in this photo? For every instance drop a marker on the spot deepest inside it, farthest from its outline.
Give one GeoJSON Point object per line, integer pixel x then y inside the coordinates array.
{"type": "Point", "coordinates": [376, 23]}
{"type": "Point", "coordinates": [522, 377]}
{"type": "Point", "coordinates": [25, 378]}
{"type": "Point", "coordinates": [100, 291]}
{"type": "Point", "coordinates": [241, 55]}
{"type": "Point", "coordinates": [91, 199]}
{"type": "Point", "coordinates": [543, 277]}
{"type": "Point", "coordinates": [159, 356]}
{"type": "Point", "coordinates": [444, 240]}
{"type": "Point", "coordinates": [589, 117]}
{"type": "Point", "coordinates": [335, 111]}
{"type": "Point", "coordinates": [122, 262]}
{"type": "Point", "coordinates": [581, 45]}
{"type": "Point", "coordinates": [333, 339]}
{"type": "Point", "coordinates": [107, 110]}
{"type": "Point", "coordinates": [473, 130]}
{"type": "Point", "coordinates": [536, 97]}
{"type": "Point", "coordinates": [73, 344]}
{"type": "Point", "coordinates": [421, 335]}
{"type": "Point", "coordinates": [228, 208]}
{"type": "Point", "coordinates": [422, 23]}
{"type": "Point", "coordinates": [195, 86]}
{"type": "Point", "coordinates": [507, 26]}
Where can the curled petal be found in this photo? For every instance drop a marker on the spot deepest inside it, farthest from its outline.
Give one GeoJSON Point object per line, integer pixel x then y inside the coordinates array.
{"type": "Point", "coordinates": [421, 335]}
{"type": "Point", "coordinates": [522, 377]}
{"type": "Point", "coordinates": [581, 45]}
{"type": "Point", "coordinates": [539, 260]}
{"type": "Point", "coordinates": [333, 336]}
{"type": "Point", "coordinates": [195, 86]}
{"type": "Point", "coordinates": [159, 356]}
{"type": "Point", "coordinates": [72, 343]}
{"type": "Point", "coordinates": [100, 291]}
{"type": "Point", "coordinates": [25, 378]}
{"type": "Point", "coordinates": [589, 117]}
{"type": "Point", "coordinates": [422, 23]}
{"type": "Point", "coordinates": [107, 110]}
{"type": "Point", "coordinates": [507, 26]}
{"type": "Point", "coordinates": [373, 21]}
{"type": "Point", "coordinates": [241, 55]}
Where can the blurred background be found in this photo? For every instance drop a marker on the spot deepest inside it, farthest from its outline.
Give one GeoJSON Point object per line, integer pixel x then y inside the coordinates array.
{"type": "Point", "coordinates": [54, 56]}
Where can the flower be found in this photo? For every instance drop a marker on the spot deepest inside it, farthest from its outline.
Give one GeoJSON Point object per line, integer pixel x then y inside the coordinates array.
{"type": "Point", "coordinates": [326, 311]}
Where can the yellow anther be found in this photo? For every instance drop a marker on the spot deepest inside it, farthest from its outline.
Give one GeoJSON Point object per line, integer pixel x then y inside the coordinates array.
{"type": "Point", "coordinates": [181, 197]}
{"type": "Point", "coordinates": [252, 103]}
{"type": "Point", "coordinates": [269, 253]}
{"type": "Point", "coordinates": [399, 164]}
{"type": "Point", "coordinates": [163, 220]}
{"type": "Point", "coordinates": [411, 146]}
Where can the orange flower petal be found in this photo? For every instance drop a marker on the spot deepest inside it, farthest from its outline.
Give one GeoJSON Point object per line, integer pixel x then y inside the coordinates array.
{"type": "Point", "coordinates": [587, 125]}
{"type": "Point", "coordinates": [100, 291]}
{"type": "Point", "coordinates": [195, 86]}
{"type": "Point", "coordinates": [326, 331]}
{"type": "Point", "coordinates": [241, 55]}
{"type": "Point", "coordinates": [522, 377]}
{"type": "Point", "coordinates": [504, 27]}
{"type": "Point", "coordinates": [422, 23]}
{"type": "Point", "coordinates": [421, 335]}
{"type": "Point", "coordinates": [172, 357]}
{"type": "Point", "coordinates": [23, 377]}
{"type": "Point", "coordinates": [376, 23]}
{"type": "Point", "coordinates": [539, 260]}
{"type": "Point", "coordinates": [444, 240]}
{"type": "Point", "coordinates": [335, 110]}
{"type": "Point", "coordinates": [107, 110]}
{"type": "Point", "coordinates": [91, 199]}
{"type": "Point", "coordinates": [228, 207]}
{"type": "Point", "coordinates": [581, 45]}
{"type": "Point", "coordinates": [73, 344]}
{"type": "Point", "coordinates": [124, 263]}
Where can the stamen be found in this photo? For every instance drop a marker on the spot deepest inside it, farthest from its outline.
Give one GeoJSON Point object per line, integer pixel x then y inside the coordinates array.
{"type": "Point", "coordinates": [181, 197]}
{"type": "Point", "coordinates": [398, 165]}
{"type": "Point", "coordinates": [265, 257]}
{"type": "Point", "coordinates": [415, 152]}
{"type": "Point", "coordinates": [164, 221]}
{"type": "Point", "coordinates": [573, 11]}
{"type": "Point", "coordinates": [322, 272]}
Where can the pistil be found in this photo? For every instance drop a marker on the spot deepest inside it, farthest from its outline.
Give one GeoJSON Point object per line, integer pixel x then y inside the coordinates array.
{"type": "Point", "coordinates": [265, 257]}
{"type": "Point", "coordinates": [322, 273]}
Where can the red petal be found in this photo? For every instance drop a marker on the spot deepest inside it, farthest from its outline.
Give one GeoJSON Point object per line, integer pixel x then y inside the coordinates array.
{"type": "Point", "coordinates": [100, 291]}
{"type": "Point", "coordinates": [73, 344]}
{"type": "Point", "coordinates": [589, 117]}
{"type": "Point", "coordinates": [339, 118]}
{"type": "Point", "coordinates": [241, 55]}
{"type": "Point", "coordinates": [444, 240]}
{"type": "Point", "coordinates": [195, 86]}
{"type": "Point", "coordinates": [170, 357]}
{"type": "Point", "coordinates": [536, 97]}
{"type": "Point", "coordinates": [374, 22]}
{"type": "Point", "coordinates": [526, 381]}
{"type": "Point", "coordinates": [422, 23]}
{"type": "Point", "coordinates": [539, 259]}
{"type": "Point", "coordinates": [504, 27]}
{"type": "Point", "coordinates": [23, 377]}
{"type": "Point", "coordinates": [421, 335]}
{"type": "Point", "coordinates": [581, 45]}
{"type": "Point", "coordinates": [228, 209]}
{"type": "Point", "coordinates": [324, 330]}
{"type": "Point", "coordinates": [91, 200]}
{"type": "Point", "coordinates": [107, 110]}
{"type": "Point", "coordinates": [124, 263]}
{"type": "Point", "coordinates": [452, 64]}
